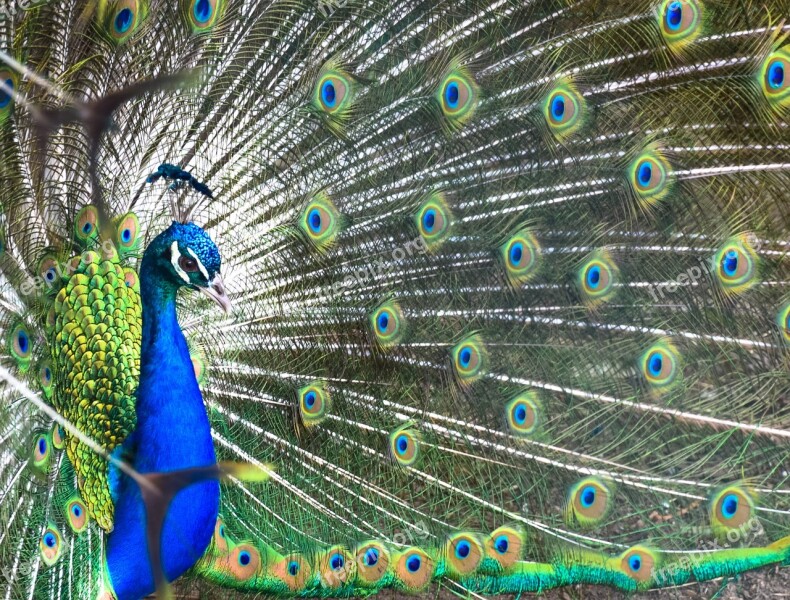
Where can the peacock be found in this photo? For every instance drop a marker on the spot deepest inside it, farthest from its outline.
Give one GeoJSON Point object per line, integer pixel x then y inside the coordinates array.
{"type": "Point", "coordinates": [493, 295]}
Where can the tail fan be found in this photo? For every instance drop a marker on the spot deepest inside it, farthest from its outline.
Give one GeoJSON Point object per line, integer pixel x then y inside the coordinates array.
{"type": "Point", "coordinates": [510, 284]}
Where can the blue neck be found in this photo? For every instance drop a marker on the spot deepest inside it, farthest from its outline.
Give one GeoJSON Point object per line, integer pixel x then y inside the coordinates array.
{"type": "Point", "coordinates": [172, 433]}
{"type": "Point", "coordinates": [171, 416]}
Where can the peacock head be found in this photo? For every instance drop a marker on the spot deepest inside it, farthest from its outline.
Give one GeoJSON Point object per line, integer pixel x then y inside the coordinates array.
{"type": "Point", "coordinates": [185, 256]}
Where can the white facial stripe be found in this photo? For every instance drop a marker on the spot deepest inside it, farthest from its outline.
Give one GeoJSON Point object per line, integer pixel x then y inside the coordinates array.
{"type": "Point", "coordinates": [203, 269]}
{"type": "Point", "coordinates": [175, 255]}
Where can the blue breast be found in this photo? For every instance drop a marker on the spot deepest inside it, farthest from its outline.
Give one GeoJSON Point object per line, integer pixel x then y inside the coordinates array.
{"type": "Point", "coordinates": [172, 433]}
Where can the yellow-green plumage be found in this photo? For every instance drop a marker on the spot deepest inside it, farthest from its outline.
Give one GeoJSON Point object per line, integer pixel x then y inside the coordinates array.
{"type": "Point", "coordinates": [95, 344]}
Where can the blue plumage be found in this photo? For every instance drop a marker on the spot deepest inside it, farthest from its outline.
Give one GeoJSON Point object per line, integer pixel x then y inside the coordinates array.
{"type": "Point", "coordinates": [173, 431]}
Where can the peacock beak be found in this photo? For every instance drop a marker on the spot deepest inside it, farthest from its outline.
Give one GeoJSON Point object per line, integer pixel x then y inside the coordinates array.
{"type": "Point", "coordinates": [216, 291]}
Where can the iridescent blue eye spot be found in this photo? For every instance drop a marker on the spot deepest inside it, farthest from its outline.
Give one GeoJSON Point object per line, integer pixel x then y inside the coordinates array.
{"type": "Point", "coordinates": [645, 173]}
{"type": "Point", "coordinates": [451, 94]}
{"type": "Point", "coordinates": [520, 414]}
{"type": "Point", "coordinates": [413, 563]}
{"type": "Point", "coordinates": [202, 11]}
{"type": "Point", "coordinates": [674, 16]}
{"type": "Point", "coordinates": [88, 227]}
{"type": "Point", "coordinates": [383, 322]}
{"type": "Point", "coordinates": [50, 275]}
{"type": "Point", "coordinates": [126, 235]}
{"type": "Point", "coordinates": [656, 363]}
{"type": "Point", "coordinates": [5, 98]}
{"type": "Point", "coordinates": [558, 108]}
{"type": "Point", "coordinates": [730, 506]}
{"type": "Point", "coordinates": [588, 496]}
{"type": "Point", "coordinates": [465, 357]}
{"type": "Point", "coordinates": [429, 220]}
{"type": "Point", "coordinates": [47, 373]}
{"type": "Point", "coordinates": [402, 444]}
{"type": "Point", "coordinates": [371, 557]}
{"type": "Point", "coordinates": [730, 263]}
{"type": "Point", "coordinates": [42, 446]}
{"type": "Point", "coordinates": [516, 253]}
{"type": "Point", "coordinates": [329, 94]}
{"type": "Point", "coordinates": [594, 277]}
{"type": "Point", "coordinates": [222, 531]}
{"type": "Point", "coordinates": [244, 558]}
{"type": "Point", "coordinates": [776, 75]}
{"type": "Point", "coordinates": [23, 341]}
{"type": "Point", "coordinates": [123, 21]}
{"type": "Point", "coordinates": [76, 511]}
{"type": "Point", "coordinates": [293, 568]}
{"type": "Point", "coordinates": [314, 219]}
{"type": "Point", "coordinates": [309, 399]}
{"type": "Point", "coordinates": [635, 562]}
{"type": "Point", "coordinates": [336, 562]}
{"type": "Point", "coordinates": [501, 544]}
{"type": "Point", "coordinates": [50, 540]}
{"type": "Point", "coordinates": [462, 549]}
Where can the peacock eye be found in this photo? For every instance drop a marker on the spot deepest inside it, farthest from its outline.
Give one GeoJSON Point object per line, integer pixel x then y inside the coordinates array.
{"type": "Point", "coordinates": [122, 18]}
{"type": "Point", "coordinates": [128, 233]}
{"type": "Point", "coordinates": [320, 221]}
{"type": "Point", "coordinates": [388, 324]}
{"type": "Point", "coordinates": [523, 414]}
{"type": "Point", "coordinates": [189, 265]}
{"type": "Point", "coordinates": [202, 15]}
{"type": "Point", "coordinates": [681, 21]}
{"type": "Point", "coordinates": [334, 92]}
{"type": "Point", "coordinates": [520, 255]}
{"type": "Point", "coordinates": [736, 265]}
{"type": "Point", "coordinates": [314, 403]}
{"type": "Point", "coordinates": [564, 110]}
{"type": "Point", "coordinates": [639, 563]}
{"type": "Point", "coordinates": [404, 446]}
{"type": "Point", "coordinates": [649, 175]}
{"type": "Point", "coordinates": [469, 359]}
{"type": "Point", "coordinates": [50, 545]}
{"type": "Point", "coordinates": [775, 78]}
{"type": "Point", "coordinates": [730, 509]}
{"type": "Point", "coordinates": [589, 501]}
{"type": "Point", "coordinates": [86, 223]}
{"type": "Point", "coordinates": [458, 95]}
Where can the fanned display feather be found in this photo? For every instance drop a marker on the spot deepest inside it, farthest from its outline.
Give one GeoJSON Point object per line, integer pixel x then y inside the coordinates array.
{"type": "Point", "coordinates": [506, 293]}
